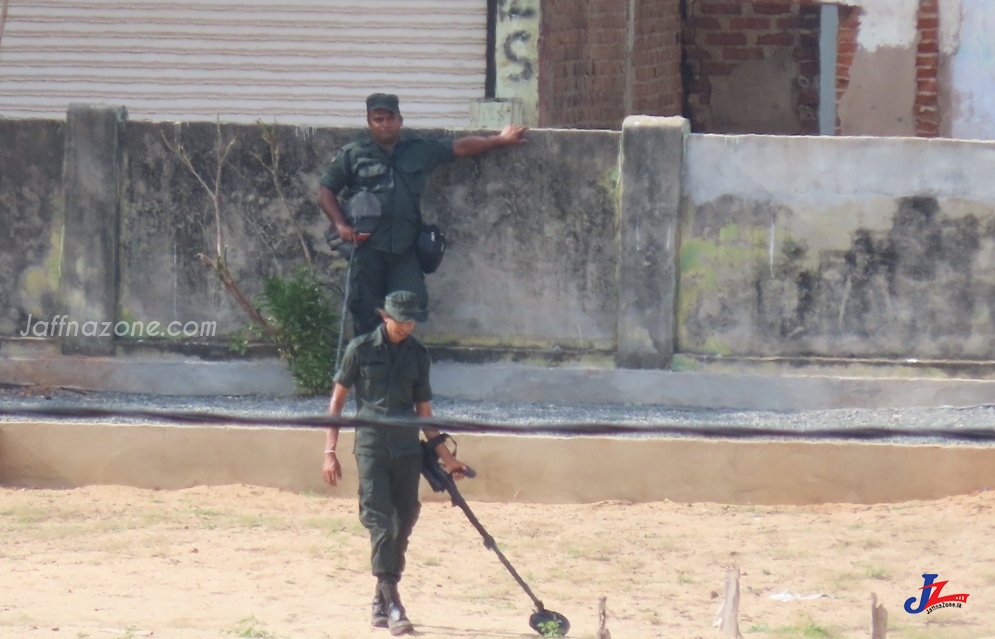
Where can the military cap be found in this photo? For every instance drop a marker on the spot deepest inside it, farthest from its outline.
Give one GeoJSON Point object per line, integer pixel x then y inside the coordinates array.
{"type": "Point", "coordinates": [404, 306]}
{"type": "Point", "coordinates": [386, 101]}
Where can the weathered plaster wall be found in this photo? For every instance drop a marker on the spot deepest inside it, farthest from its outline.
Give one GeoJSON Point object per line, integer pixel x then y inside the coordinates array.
{"type": "Point", "coordinates": [881, 92]}
{"type": "Point", "coordinates": [532, 255]}
{"type": "Point", "coordinates": [534, 227]}
{"type": "Point", "coordinates": [31, 212]}
{"type": "Point", "coordinates": [168, 218]}
{"type": "Point", "coordinates": [838, 247]}
{"type": "Point", "coordinates": [968, 70]}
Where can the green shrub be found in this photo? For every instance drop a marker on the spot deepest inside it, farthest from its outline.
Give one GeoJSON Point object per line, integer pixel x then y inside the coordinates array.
{"type": "Point", "coordinates": [307, 328]}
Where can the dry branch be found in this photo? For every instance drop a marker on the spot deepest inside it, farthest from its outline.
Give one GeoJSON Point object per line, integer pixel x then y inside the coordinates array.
{"type": "Point", "coordinates": [269, 136]}
{"type": "Point", "coordinates": [218, 262]}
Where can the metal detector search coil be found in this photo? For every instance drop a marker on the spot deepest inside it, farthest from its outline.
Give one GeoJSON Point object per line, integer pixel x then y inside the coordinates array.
{"type": "Point", "coordinates": [546, 622]}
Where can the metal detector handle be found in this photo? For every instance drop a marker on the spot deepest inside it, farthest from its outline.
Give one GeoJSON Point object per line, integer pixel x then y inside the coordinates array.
{"type": "Point", "coordinates": [345, 308]}
{"type": "Point", "coordinates": [489, 542]}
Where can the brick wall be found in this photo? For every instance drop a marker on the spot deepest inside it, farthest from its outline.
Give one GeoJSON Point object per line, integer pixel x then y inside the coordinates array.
{"type": "Point", "coordinates": [927, 69]}
{"type": "Point", "coordinates": [846, 48]}
{"type": "Point", "coordinates": [719, 35]}
{"type": "Point", "coordinates": [656, 58]}
{"type": "Point", "coordinates": [582, 62]}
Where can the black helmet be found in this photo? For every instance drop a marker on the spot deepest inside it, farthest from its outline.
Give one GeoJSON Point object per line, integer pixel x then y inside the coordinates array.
{"type": "Point", "coordinates": [430, 247]}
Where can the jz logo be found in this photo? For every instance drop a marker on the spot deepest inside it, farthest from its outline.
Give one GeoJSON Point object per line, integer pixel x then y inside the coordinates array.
{"type": "Point", "coordinates": [931, 599]}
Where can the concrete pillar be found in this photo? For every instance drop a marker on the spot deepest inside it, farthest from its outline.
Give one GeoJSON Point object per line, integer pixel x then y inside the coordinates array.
{"type": "Point", "coordinates": [88, 289]}
{"type": "Point", "coordinates": [652, 160]}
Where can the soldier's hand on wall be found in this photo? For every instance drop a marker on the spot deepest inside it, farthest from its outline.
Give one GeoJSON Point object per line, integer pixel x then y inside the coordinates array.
{"type": "Point", "coordinates": [512, 134]}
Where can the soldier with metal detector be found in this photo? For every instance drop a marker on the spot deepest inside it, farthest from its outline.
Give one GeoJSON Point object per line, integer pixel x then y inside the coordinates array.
{"type": "Point", "coordinates": [395, 170]}
{"type": "Point", "coordinates": [390, 370]}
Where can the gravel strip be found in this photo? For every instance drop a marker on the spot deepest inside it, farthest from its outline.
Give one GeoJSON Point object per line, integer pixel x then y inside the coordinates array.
{"type": "Point", "coordinates": [526, 415]}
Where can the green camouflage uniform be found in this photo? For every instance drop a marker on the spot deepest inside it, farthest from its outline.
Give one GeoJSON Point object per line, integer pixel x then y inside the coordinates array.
{"type": "Point", "coordinates": [389, 380]}
{"type": "Point", "coordinates": [386, 262]}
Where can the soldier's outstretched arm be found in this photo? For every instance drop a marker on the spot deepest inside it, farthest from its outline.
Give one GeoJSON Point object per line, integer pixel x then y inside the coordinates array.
{"type": "Point", "coordinates": [510, 135]}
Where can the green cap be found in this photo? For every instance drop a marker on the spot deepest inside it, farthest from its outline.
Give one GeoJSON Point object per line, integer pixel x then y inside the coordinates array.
{"type": "Point", "coordinates": [404, 306]}
{"type": "Point", "coordinates": [386, 101]}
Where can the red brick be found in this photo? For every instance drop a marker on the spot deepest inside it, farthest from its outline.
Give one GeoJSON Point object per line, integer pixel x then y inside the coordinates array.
{"type": "Point", "coordinates": [809, 97]}
{"type": "Point", "coordinates": [697, 54]}
{"type": "Point", "coordinates": [744, 24]}
{"type": "Point", "coordinates": [846, 48]}
{"type": "Point", "coordinates": [776, 39]}
{"type": "Point", "coordinates": [708, 7]}
{"type": "Point", "coordinates": [717, 68]}
{"type": "Point", "coordinates": [770, 8]}
{"type": "Point", "coordinates": [742, 53]}
{"type": "Point", "coordinates": [809, 69]}
{"type": "Point", "coordinates": [726, 38]}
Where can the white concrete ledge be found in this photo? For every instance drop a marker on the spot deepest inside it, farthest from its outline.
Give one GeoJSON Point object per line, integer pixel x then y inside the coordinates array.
{"type": "Point", "coordinates": [515, 382]}
{"type": "Point", "coordinates": [511, 468]}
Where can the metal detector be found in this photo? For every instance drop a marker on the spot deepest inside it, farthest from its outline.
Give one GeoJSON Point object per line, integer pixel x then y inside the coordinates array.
{"type": "Point", "coordinates": [546, 622]}
{"type": "Point", "coordinates": [363, 212]}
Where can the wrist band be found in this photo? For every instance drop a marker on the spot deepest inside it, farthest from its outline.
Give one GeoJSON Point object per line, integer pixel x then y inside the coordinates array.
{"type": "Point", "coordinates": [330, 450]}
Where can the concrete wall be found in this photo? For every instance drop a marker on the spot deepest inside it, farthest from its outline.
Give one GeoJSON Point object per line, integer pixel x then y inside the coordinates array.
{"type": "Point", "coordinates": [531, 262]}
{"type": "Point", "coordinates": [533, 256]}
{"type": "Point", "coordinates": [511, 469]}
{"type": "Point", "coordinates": [967, 69]}
{"type": "Point", "coordinates": [579, 243]}
{"type": "Point", "coordinates": [168, 216]}
{"type": "Point", "coordinates": [31, 220]}
{"type": "Point", "coordinates": [838, 247]}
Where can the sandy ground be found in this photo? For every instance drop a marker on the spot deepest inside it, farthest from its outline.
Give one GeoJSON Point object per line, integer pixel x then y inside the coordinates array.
{"type": "Point", "coordinates": [240, 561]}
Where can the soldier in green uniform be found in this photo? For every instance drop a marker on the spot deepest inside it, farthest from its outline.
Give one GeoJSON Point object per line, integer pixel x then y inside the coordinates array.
{"type": "Point", "coordinates": [395, 170]}
{"type": "Point", "coordinates": [390, 371]}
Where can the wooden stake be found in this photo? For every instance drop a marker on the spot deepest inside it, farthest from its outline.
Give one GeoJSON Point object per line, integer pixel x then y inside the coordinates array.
{"type": "Point", "coordinates": [727, 618]}
{"type": "Point", "coordinates": [603, 620]}
{"type": "Point", "coordinates": [879, 619]}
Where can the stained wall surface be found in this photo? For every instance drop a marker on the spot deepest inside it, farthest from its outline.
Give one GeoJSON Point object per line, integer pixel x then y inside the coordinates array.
{"type": "Point", "coordinates": [778, 246]}
{"type": "Point", "coordinates": [838, 247]}
{"type": "Point", "coordinates": [968, 69]}
{"type": "Point", "coordinates": [31, 219]}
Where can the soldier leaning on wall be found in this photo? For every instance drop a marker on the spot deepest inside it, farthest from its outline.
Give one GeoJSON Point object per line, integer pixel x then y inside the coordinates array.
{"type": "Point", "coordinates": [395, 171]}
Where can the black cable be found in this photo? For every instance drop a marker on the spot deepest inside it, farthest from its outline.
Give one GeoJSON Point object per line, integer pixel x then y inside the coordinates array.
{"type": "Point", "coordinates": [976, 435]}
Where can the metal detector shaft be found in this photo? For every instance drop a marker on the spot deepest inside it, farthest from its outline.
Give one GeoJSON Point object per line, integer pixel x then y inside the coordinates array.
{"type": "Point", "coordinates": [489, 542]}
{"type": "Point", "coordinates": [345, 306]}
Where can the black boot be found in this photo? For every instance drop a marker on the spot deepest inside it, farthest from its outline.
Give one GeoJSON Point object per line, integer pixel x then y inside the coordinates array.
{"type": "Point", "coordinates": [397, 619]}
{"type": "Point", "coordinates": [378, 618]}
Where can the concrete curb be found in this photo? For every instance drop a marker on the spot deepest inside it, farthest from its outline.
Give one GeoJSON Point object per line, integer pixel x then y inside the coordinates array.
{"type": "Point", "coordinates": [512, 468]}
{"type": "Point", "coordinates": [515, 382]}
